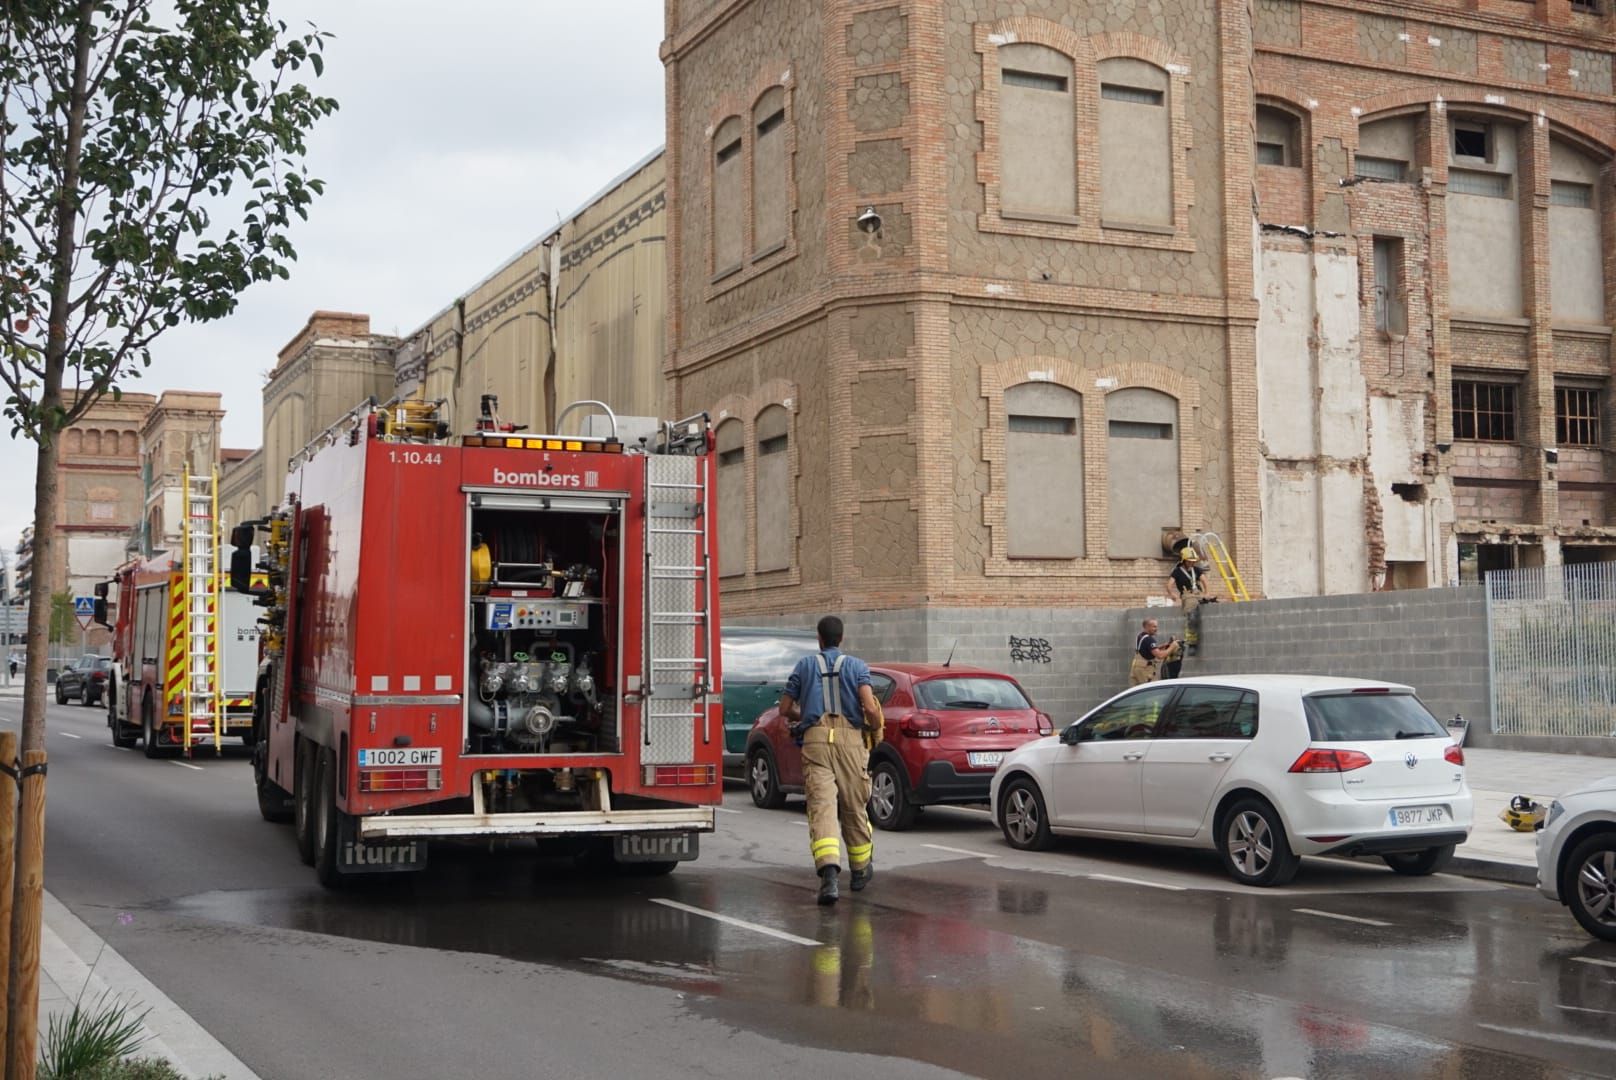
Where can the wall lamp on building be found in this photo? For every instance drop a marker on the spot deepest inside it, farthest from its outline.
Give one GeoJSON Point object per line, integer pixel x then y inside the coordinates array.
{"type": "Point", "coordinates": [869, 223]}
{"type": "Point", "coordinates": [1551, 455]}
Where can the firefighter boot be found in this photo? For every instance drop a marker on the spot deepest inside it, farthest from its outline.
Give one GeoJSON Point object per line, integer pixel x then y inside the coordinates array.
{"type": "Point", "coordinates": [829, 893]}
{"type": "Point", "coordinates": [861, 876]}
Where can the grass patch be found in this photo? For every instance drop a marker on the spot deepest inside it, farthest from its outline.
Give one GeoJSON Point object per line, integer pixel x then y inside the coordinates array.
{"type": "Point", "coordinates": [81, 1043]}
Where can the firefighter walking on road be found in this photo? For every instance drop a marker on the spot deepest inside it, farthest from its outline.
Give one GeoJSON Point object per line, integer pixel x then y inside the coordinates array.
{"type": "Point", "coordinates": [837, 721]}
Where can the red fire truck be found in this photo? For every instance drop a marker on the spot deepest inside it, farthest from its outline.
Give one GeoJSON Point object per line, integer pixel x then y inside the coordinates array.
{"type": "Point", "coordinates": [168, 666]}
{"type": "Point", "coordinates": [491, 636]}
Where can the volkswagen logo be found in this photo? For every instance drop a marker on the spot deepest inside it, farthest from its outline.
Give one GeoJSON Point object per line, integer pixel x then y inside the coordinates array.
{"type": "Point", "coordinates": [1410, 759]}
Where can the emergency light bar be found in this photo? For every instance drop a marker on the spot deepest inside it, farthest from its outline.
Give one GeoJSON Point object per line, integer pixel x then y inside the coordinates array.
{"type": "Point", "coordinates": [522, 442]}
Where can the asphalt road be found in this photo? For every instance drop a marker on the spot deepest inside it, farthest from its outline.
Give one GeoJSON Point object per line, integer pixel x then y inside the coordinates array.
{"type": "Point", "coordinates": [963, 957]}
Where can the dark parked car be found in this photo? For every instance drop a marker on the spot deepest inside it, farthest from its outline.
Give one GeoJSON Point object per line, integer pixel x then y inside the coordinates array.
{"type": "Point", "coordinates": [757, 661]}
{"type": "Point", "coordinates": [947, 729]}
{"type": "Point", "coordinates": [85, 679]}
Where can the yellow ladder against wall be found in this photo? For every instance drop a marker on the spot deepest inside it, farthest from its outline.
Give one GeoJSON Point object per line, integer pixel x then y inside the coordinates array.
{"type": "Point", "coordinates": [1212, 546]}
{"type": "Point", "coordinates": [203, 702]}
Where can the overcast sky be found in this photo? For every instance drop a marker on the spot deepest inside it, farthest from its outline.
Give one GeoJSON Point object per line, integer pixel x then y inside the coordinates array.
{"type": "Point", "coordinates": [465, 131]}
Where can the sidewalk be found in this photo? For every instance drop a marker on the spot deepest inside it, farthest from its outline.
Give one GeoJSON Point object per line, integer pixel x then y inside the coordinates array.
{"type": "Point", "coordinates": [76, 964]}
{"type": "Point", "coordinates": [1494, 850]}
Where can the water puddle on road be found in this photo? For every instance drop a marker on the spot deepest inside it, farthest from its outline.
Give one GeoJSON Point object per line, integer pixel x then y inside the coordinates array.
{"type": "Point", "coordinates": [972, 978]}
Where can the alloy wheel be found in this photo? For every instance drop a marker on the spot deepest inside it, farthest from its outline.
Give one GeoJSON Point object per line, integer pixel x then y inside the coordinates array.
{"type": "Point", "coordinates": [760, 777]}
{"type": "Point", "coordinates": [1596, 886]}
{"type": "Point", "coordinates": [1251, 843]}
{"type": "Point", "coordinates": [883, 795]}
{"type": "Point", "coordinates": [1021, 815]}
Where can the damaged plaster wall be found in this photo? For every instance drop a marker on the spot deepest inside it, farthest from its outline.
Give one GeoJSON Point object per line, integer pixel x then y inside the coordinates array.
{"type": "Point", "coordinates": [1315, 456]}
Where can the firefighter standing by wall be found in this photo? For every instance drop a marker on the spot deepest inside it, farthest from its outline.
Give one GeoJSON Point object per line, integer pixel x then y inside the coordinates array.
{"type": "Point", "coordinates": [1148, 654]}
{"type": "Point", "coordinates": [821, 692]}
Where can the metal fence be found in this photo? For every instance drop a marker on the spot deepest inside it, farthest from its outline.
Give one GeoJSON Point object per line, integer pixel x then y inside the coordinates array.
{"type": "Point", "coordinates": [1552, 649]}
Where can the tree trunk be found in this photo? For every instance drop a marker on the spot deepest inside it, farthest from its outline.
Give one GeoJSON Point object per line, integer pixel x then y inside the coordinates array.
{"type": "Point", "coordinates": [23, 976]}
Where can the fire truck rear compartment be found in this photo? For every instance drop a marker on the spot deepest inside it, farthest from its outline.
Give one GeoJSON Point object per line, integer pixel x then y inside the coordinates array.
{"type": "Point", "coordinates": [543, 622]}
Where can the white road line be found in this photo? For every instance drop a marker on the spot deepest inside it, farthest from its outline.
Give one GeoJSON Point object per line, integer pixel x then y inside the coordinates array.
{"type": "Point", "coordinates": [1594, 960]}
{"type": "Point", "coordinates": [186, 765]}
{"type": "Point", "coordinates": [1343, 918]}
{"type": "Point", "coordinates": [803, 823]}
{"type": "Point", "coordinates": [1573, 1040]}
{"type": "Point", "coordinates": [1138, 881]}
{"type": "Point", "coordinates": [962, 851]}
{"type": "Point", "coordinates": [125, 749]}
{"type": "Point", "coordinates": [725, 810]}
{"type": "Point", "coordinates": [69, 735]}
{"type": "Point", "coordinates": [732, 921]}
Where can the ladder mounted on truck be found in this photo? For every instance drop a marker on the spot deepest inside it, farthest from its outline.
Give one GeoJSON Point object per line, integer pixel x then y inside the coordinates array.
{"type": "Point", "coordinates": [678, 609]}
{"type": "Point", "coordinates": [203, 700]}
{"type": "Point", "coordinates": [1212, 546]}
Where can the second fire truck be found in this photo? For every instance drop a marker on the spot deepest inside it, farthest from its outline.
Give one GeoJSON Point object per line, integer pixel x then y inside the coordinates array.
{"type": "Point", "coordinates": [488, 637]}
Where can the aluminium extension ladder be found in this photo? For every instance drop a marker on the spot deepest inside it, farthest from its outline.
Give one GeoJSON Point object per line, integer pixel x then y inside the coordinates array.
{"type": "Point", "coordinates": [203, 704]}
{"type": "Point", "coordinates": [1212, 545]}
{"type": "Point", "coordinates": [679, 622]}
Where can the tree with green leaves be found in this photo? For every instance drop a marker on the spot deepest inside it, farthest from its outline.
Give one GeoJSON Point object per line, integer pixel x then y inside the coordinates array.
{"type": "Point", "coordinates": [64, 624]}
{"type": "Point", "coordinates": [151, 168]}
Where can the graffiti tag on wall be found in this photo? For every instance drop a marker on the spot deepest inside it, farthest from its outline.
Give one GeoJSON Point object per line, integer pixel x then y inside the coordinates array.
{"type": "Point", "coordinates": [1031, 650]}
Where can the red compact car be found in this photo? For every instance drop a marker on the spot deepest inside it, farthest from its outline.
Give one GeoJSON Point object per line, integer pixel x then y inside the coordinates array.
{"type": "Point", "coordinates": [947, 729]}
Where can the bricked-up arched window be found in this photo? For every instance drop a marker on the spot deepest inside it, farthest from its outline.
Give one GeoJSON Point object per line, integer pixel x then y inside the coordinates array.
{"type": "Point", "coordinates": [1279, 137]}
{"type": "Point", "coordinates": [729, 195]}
{"type": "Point", "coordinates": [1037, 131]}
{"type": "Point", "coordinates": [1576, 247]}
{"type": "Point", "coordinates": [1136, 144]}
{"type": "Point", "coordinates": [769, 186]}
{"type": "Point", "coordinates": [1484, 218]}
{"type": "Point", "coordinates": [1142, 459]}
{"type": "Point", "coordinates": [732, 514]}
{"type": "Point", "coordinates": [1043, 450]}
{"type": "Point", "coordinates": [774, 539]}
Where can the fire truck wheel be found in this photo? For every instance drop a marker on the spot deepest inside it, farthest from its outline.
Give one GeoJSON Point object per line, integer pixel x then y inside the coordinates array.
{"type": "Point", "coordinates": [326, 818]}
{"type": "Point", "coordinates": [303, 800]}
{"type": "Point", "coordinates": [122, 737]}
{"type": "Point", "coordinates": [273, 803]}
{"type": "Point", "coordinates": [148, 727]}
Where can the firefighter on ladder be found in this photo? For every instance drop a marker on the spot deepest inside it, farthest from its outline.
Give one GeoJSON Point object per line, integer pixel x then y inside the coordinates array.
{"type": "Point", "coordinates": [835, 755]}
{"type": "Point", "coordinates": [1188, 580]}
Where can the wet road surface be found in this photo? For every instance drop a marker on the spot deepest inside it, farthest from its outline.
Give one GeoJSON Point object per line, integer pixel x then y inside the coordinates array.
{"type": "Point", "coordinates": [963, 957]}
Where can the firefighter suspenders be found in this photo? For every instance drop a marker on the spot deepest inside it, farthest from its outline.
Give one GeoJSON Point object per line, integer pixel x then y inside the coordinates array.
{"type": "Point", "coordinates": [830, 686]}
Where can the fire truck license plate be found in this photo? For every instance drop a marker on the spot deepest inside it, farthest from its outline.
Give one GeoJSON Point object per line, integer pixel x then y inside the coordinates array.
{"type": "Point", "coordinates": [655, 847]}
{"type": "Point", "coordinates": [400, 757]}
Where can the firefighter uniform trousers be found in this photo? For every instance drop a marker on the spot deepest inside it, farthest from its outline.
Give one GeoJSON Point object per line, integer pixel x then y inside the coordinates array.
{"type": "Point", "coordinates": [836, 778]}
{"type": "Point", "coordinates": [1190, 603]}
{"type": "Point", "coordinates": [1142, 670]}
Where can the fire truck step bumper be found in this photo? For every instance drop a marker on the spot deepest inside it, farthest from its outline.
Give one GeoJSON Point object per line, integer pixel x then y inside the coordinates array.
{"type": "Point", "coordinates": [552, 823]}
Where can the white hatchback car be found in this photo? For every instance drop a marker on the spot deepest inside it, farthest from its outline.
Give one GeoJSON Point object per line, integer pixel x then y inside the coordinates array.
{"type": "Point", "coordinates": [1263, 768]}
{"type": "Point", "coordinates": [1576, 856]}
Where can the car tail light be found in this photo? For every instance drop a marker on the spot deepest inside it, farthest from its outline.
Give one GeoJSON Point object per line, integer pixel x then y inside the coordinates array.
{"type": "Point", "coordinates": [1046, 725]}
{"type": "Point", "coordinates": [680, 775]}
{"type": "Point", "coordinates": [1454, 754]}
{"type": "Point", "coordinates": [99, 676]}
{"type": "Point", "coordinates": [381, 780]}
{"type": "Point", "coordinates": [1326, 761]}
{"type": "Point", "coordinates": [921, 726]}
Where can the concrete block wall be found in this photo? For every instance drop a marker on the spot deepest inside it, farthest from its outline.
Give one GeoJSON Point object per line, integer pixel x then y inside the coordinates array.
{"type": "Point", "coordinates": [1432, 639]}
{"type": "Point", "coordinates": [1071, 659]}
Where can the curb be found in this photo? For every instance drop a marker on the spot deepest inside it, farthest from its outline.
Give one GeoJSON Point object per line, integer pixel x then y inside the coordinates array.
{"type": "Point", "coordinates": [1492, 870]}
{"type": "Point", "coordinates": [83, 965]}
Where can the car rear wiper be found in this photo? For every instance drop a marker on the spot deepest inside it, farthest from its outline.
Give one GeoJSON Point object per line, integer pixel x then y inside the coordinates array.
{"type": "Point", "coordinates": [1418, 735]}
{"type": "Point", "coordinates": [967, 705]}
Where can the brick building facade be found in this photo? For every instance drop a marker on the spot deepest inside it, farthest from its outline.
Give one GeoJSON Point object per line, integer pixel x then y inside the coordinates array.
{"type": "Point", "coordinates": [1134, 269]}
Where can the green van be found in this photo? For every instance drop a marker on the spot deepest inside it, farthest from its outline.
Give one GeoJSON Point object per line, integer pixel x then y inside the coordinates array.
{"type": "Point", "coordinates": [756, 660]}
